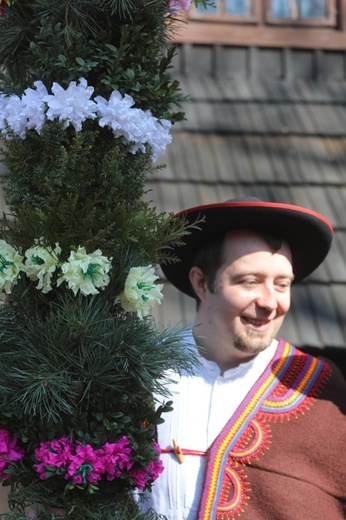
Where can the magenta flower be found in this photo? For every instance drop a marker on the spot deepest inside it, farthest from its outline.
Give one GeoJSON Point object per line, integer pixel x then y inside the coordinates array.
{"type": "Point", "coordinates": [83, 464]}
{"type": "Point", "coordinates": [113, 458]}
{"type": "Point", "coordinates": [179, 5]}
{"type": "Point", "coordinates": [142, 477]}
{"type": "Point", "coordinates": [53, 453]}
{"type": "Point", "coordinates": [9, 452]}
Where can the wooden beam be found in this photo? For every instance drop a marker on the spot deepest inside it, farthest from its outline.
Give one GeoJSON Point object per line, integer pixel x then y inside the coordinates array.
{"type": "Point", "coordinates": [208, 33]}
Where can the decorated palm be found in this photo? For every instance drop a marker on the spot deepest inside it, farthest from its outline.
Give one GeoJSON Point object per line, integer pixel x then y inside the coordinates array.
{"type": "Point", "coordinates": [86, 107]}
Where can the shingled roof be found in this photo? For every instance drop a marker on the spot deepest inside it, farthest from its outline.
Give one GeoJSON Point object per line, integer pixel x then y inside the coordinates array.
{"type": "Point", "coordinates": [279, 140]}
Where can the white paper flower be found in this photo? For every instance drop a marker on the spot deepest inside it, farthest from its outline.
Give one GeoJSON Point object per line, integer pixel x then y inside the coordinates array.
{"type": "Point", "coordinates": [85, 272]}
{"type": "Point", "coordinates": [3, 111]}
{"type": "Point", "coordinates": [133, 125]}
{"type": "Point", "coordinates": [140, 292]}
{"type": "Point", "coordinates": [11, 263]}
{"type": "Point", "coordinates": [15, 115]}
{"type": "Point", "coordinates": [41, 263]}
{"type": "Point", "coordinates": [157, 135]}
{"type": "Point", "coordinates": [73, 105]}
{"type": "Point", "coordinates": [34, 107]}
{"type": "Point", "coordinates": [137, 128]}
{"type": "Point", "coordinates": [115, 112]}
{"type": "Point", "coordinates": [26, 112]}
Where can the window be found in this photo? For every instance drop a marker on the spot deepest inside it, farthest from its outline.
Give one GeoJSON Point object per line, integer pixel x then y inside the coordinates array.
{"type": "Point", "coordinates": [280, 12]}
{"type": "Point", "coordinates": [301, 12]}
{"type": "Point", "coordinates": [241, 11]}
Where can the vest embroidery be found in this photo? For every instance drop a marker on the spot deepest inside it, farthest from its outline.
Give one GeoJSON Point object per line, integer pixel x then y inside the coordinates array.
{"type": "Point", "coordinates": [287, 388]}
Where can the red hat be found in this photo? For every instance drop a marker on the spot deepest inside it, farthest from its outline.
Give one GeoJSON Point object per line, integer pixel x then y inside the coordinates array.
{"type": "Point", "coordinates": [308, 233]}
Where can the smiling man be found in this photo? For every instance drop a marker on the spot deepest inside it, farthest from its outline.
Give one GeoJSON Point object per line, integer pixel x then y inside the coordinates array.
{"type": "Point", "coordinates": [258, 431]}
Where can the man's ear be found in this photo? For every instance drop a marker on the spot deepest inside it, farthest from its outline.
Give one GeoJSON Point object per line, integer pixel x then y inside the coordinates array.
{"type": "Point", "coordinates": [198, 282]}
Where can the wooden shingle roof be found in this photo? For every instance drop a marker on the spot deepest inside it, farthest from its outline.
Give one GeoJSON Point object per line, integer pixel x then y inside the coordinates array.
{"type": "Point", "coordinates": [277, 140]}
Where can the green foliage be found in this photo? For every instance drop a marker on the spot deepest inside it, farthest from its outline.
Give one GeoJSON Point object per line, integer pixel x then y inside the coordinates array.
{"type": "Point", "coordinates": [58, 163]}
{"type": "Point", "coordinates": [81, 368]}
{"type": "Point", "coordinates": [75, 365]}
{"type": "Point", "coordinates": [112, 44]}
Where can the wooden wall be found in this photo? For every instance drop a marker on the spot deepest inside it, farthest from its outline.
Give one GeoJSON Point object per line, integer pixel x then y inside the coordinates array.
{"type": "Point", "coordinates": [263, 63]}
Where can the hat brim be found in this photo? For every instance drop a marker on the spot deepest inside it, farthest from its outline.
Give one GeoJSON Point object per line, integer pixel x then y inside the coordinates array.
{"type": "Point", "coordinates": [308, 233]}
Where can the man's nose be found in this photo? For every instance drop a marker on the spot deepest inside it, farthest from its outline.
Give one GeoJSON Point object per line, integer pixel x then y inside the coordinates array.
{"type": "Point", "coordinates": [267, 297]}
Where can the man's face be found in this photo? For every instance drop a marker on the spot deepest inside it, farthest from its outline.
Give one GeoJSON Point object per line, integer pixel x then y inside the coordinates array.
{"type": "Point", "coordinates": [251, 294]}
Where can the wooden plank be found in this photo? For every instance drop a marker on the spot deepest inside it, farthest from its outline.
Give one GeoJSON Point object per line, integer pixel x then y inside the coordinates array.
{"type": "Point", "coordinates": [269, 63]}
{"type": "Point", "coordinates": [326, 120]}
{"type": "Point", "coordinates": [306, 170]}
{"type": "Point", "coordinates": [337, 156]}
{"type": "Point", "coordinates": [338, 292]}
{"type": "Point", "coordinates": [261, 36]}
{"type": "Point", "coordinates": [337, 199]}
{"type": "Point", "coordinates": [242, 159]}
{"type": "Point", "coordinates": [332, 65]}
{"type": "Point", "coordinates": [307, 330]}
{"type": "Point", "coordinates": [231, 62]}
{"type": "Point", "coordinates": [281, 159]}
{"type": "Point", "coordinates": [336, 259]}
{"type": "Point", "coordinates": [262, 168]}
{"type": "Point", "coordinates": [325, 171]}
{"type": "Point", "coordinates": [291, 118]}
{"type": "Point", "coordinates": [323, 307]}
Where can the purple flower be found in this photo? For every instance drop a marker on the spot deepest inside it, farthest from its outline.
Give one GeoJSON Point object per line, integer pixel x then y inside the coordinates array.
{"type": "Point", "coordinates": [83, 464]}
{"type": "Point", "coordinates": [53, 453]}
{"type": "Point", "coordinates": [9, 452]}
{"type": "Point", "coordinates": [113, 458]}
{"type": "Point", "coordinates": [142, 477]}
{"type": "Point", "coordinates": [179, 5]}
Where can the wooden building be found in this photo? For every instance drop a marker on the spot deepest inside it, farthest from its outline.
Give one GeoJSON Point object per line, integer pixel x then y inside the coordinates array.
{"type": "Point", "coordinates": [266, 117]}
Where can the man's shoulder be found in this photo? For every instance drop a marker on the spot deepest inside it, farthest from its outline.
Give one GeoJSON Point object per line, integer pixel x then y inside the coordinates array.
{"type": "Point", "coordinates": [323, 377]}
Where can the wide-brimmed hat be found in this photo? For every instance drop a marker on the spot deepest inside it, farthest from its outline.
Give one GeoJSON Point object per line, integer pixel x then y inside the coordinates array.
{"type": "Point", "coordinates": [308, 233]}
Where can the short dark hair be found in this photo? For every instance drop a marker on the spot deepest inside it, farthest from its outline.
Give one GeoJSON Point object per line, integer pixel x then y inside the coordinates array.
{"type": "Point", "coordinates": [209, 257]}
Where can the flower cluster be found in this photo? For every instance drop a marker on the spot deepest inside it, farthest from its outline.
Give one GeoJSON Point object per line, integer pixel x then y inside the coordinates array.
{"type": "Point", "coordinates": [9, 452]}
{"type": "Point", "coordinates": [82, 464]}
{"type": "Point", "coordinates": [82, 271]}
{"type": "Point", "coordinates": [140, 292]}
{"type": "Point", "coordinates": [136, 128]}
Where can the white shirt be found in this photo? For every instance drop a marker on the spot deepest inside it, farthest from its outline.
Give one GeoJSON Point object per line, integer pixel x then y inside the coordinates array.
{"type": "Point", "coordinates": [203, 403]}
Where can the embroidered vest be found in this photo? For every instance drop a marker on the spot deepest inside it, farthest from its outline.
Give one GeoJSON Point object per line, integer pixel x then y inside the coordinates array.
{"type": "Point", "coordinates": [288, 387]}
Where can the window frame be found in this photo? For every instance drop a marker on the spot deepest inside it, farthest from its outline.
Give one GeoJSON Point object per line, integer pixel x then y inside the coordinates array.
{"type": "Point", "coordinates": [261, 15]}
{"type": "Point", "coordinates": [329, 21]}
{"type": "Point", "coordinates": [223, 17]}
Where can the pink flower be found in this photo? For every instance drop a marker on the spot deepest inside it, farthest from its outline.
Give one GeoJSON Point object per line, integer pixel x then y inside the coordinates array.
{"type": "Point", "coordinates": [84, 455]}
{"type": "Point", "coordinates": [53, 453]}
{"type": "Point", "coordinates": [179, 5]}
{"type": "Point", "coordinates": [142, 477]}
{"type": "Point", "coordinates": [83, 464]}
{"type": "Point", "coordinates": [9, 452]}
{"type": "Point", "coordinates": [113, 458]}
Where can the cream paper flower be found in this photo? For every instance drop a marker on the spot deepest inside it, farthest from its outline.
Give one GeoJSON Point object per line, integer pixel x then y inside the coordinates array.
{"type": "Point", "coordinates": [11, 263]}
{"type": "Point", "coordinates": [140, 293]}
{"type": "Point", "coordinates": [41, 263]}
{"type": "Point", "coordinates": [85, 272]}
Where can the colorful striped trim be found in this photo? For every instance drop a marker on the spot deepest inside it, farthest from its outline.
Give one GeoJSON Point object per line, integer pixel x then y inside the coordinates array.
{"type": "Point", "coordinates": [288, 386]}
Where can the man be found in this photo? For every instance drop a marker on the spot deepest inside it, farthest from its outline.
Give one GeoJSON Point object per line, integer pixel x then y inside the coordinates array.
{"type": "Point", "coordinates": [259, 431]}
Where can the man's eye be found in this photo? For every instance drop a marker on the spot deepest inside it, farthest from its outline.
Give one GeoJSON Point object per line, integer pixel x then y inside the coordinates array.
{"type": "Point", "coordinates": [249, 282]}
{"type": "Point", "coordinates": [284, 285]}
